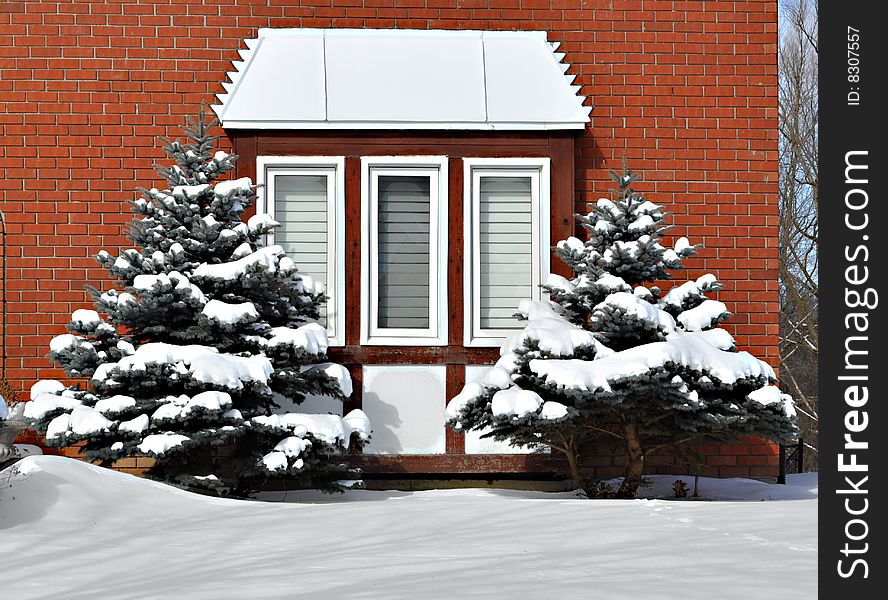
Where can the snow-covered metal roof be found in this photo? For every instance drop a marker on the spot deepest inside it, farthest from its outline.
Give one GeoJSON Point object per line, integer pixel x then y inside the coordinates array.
{"type": "Point", "coordinates": [401, 79]}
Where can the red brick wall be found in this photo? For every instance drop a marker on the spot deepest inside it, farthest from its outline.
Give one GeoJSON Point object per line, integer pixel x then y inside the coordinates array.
{"type": "Point", "coordinates": [687, 90]}
{"type": "Point", "coordinates": [750, 457]}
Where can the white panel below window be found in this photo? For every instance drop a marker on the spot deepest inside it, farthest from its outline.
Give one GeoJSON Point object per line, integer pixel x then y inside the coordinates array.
{"type": "Point", "coordinates": [475, 444]}
{"type": "Point", "coordinates": [405, 405]}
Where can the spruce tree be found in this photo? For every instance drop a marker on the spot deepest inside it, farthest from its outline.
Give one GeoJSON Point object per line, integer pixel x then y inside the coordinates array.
{"type": "Point", "coordinates": [201, 356]}
{"type": "Point", "coordinates": [611, 357]}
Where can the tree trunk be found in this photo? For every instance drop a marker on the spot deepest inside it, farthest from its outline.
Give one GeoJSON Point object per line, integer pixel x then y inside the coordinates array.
{"type": "Point", "coordinates": [573, 464]}
{"type": "Point", "coordinates": [632, 476]}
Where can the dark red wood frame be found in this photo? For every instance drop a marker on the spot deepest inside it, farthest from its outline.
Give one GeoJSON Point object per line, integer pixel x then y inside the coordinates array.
{"type": "Point", "coordinates": [557, 146]}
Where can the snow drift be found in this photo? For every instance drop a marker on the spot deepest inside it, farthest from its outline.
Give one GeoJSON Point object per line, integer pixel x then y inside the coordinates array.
{"type": "Point", "coordinates": [85, 532]}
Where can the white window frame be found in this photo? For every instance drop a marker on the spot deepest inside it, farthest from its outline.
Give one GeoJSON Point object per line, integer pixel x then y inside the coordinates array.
{"type": "Point", "coordinates": [434, 167]}
{"type": "Point", "coordinates": [539, 170]}
{"type": "Point", "coordinates": [332, 167]}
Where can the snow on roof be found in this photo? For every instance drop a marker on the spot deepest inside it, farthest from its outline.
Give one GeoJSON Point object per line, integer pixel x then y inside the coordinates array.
{"type": "Point", "coordinates": [400, 79]}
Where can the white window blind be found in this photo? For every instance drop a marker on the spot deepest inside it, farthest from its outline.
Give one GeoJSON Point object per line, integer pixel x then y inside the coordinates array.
{"type": "Point", "coordinates": [505, 250]}
{"type": "Point", "coordinates": [506, 214]}
{"type": "Point", "coordinates": [300, 206]}
{"type": "Point", "coordinates": [404, 218]}
{"type": "Point", "coordinates": [306, 195]}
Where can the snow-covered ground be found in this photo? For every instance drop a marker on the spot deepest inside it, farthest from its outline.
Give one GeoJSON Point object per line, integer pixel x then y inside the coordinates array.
{"type": "Point", "coordinates": [68, 529]}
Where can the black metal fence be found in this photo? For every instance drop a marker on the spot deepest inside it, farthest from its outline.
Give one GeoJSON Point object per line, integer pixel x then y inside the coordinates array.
{"type": "Point", "coordinates": [792, 459]}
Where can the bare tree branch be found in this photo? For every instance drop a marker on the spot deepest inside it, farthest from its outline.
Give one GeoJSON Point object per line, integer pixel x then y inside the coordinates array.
{"type": "Point", "coordinates": [799, 204]}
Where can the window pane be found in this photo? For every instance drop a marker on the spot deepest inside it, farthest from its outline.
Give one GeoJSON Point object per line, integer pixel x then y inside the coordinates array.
{"type": "Point", "coordinates": [506, 247]}
{"type": "Point", "coordinates": [300, 206]}
{"type": "Point", "coordinates": [404, 208]}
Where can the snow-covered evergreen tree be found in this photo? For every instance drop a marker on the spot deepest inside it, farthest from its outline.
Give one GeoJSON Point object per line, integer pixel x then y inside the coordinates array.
{"type": "Point", "coordinates": [201, 357]}
{"type": "Point", "coordinates": [610, 357]}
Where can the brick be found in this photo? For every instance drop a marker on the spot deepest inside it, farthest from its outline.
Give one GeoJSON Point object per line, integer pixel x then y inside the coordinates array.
{"type": "Point", "coordinates": [752, 460]}
{"type": "Point", "coordinates": [733, 449]}
{"type": "Point", "coordinates": [732, 471]}
{"type": "Point", "coordinates": [769, 471]}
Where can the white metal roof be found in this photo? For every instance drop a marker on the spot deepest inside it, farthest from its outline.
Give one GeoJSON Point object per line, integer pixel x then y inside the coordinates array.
{"type": "Point", "coordinates": [400, 79]}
